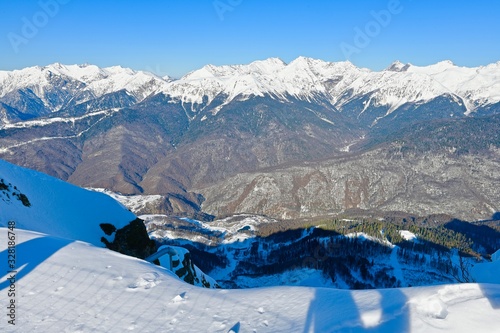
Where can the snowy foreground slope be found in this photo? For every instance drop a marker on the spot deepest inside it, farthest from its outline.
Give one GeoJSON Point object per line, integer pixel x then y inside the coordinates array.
{"type": "Point", "coordinates": [38, 202]}
{"type": "Point", "coordinates": [56, 207]}
{"type": "Point", "coordinates": [65, 286]}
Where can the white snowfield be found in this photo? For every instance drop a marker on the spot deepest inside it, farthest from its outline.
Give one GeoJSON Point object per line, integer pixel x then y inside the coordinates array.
{"type": "Point", "coordinates": [407, 235]}
{"type": "Point", "coordinates": [71, 286]}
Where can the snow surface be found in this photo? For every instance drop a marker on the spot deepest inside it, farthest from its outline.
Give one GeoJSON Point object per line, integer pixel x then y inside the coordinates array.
{"type": "Point", "coordinates": [53, 120]}
{"type": "Point", "coordinates": [133, 202]}
{"type": "Point", "coordinates": [58, 208]}
{"type": "Point", "coordinates": [407, 235]}
{"type": "Point", "coordinates": [487, 272]}
{"type": "Point", "coordinates": [71, 286]}
{"type": "Point", "coordinates": [64, 285]}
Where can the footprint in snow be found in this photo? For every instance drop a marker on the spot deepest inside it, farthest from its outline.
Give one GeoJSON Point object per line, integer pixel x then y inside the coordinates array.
{"type": "Point", "coordinates": [146, 281]}
{"type": "Point", "coordinates": [432, 307]}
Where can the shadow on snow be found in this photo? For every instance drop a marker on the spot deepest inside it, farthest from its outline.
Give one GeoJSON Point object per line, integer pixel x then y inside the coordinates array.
{"type": "Point", "coordinates": [29, 255]}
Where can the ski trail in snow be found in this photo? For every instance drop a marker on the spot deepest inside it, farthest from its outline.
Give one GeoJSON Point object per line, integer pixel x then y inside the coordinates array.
{"type": "Point", "coordinates": [47, 138]}
{"type": "Point", "coordinates": [50, 121]}
{"type": "Point", "coordinates": [398, 272]}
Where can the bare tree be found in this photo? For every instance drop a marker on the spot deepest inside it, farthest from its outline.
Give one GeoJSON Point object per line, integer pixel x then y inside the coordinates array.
{"type": "Point", "coordinates": [463, 275]}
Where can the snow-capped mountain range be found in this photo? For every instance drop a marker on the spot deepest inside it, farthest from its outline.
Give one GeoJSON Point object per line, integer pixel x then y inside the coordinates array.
{"type": "Point", "coordinates": [90, 78]}
{"type": "Point", "coordinates": [37, 91]}
{"type": "Point", "coordinates": [340, 82]}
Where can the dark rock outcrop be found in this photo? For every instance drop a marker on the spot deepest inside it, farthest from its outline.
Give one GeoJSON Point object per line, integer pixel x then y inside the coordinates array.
{"type": "Point", "coordinates": [132, 240]}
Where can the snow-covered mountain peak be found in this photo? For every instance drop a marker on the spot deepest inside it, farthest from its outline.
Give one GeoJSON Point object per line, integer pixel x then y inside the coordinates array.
{"type": "Point", "coordinates": [435, 68]}
{"type": "Point", "coordinates": [495, 64]}
{"type": "Point", "coordinates": [260, 67]}
{"type": "Point", "coordinates": [393, 89]}
{"type": "Point", "coordinates": [303, 78]}
{"type": "Point", "coordinates": [119, 69]}
{"type": "Point", "coordinates": [304, 63]}
{"type": "Point", "coordinates": [324, 68]}
{"type": "Point", "coordinates": [207, 71]}
{"type": "Point", "coordinates": [267, 66]}
{"type": "Point", "coordinates": [85, 73]}
{"type": "Point", "coordinates": [397, 66]}
{"type": "Point", "coordinates": [477, 86]}
{"type": "Point", "coordinates": [445, 64]}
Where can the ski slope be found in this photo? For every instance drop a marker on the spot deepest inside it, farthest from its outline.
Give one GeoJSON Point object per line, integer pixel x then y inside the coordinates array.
{"type": "Point", "coordinates": [71, 286]}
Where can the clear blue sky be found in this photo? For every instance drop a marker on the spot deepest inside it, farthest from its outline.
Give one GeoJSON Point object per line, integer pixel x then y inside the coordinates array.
{"type": "Point", "coordinates": [176, 36]}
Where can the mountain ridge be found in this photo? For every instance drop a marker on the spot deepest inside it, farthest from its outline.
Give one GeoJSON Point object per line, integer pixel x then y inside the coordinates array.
{"type": "Point", "coordinates": [303, 78]}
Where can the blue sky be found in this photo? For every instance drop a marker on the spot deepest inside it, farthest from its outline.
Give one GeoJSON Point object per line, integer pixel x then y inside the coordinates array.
{"type": "Point", "coordinates": [176, 36]}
